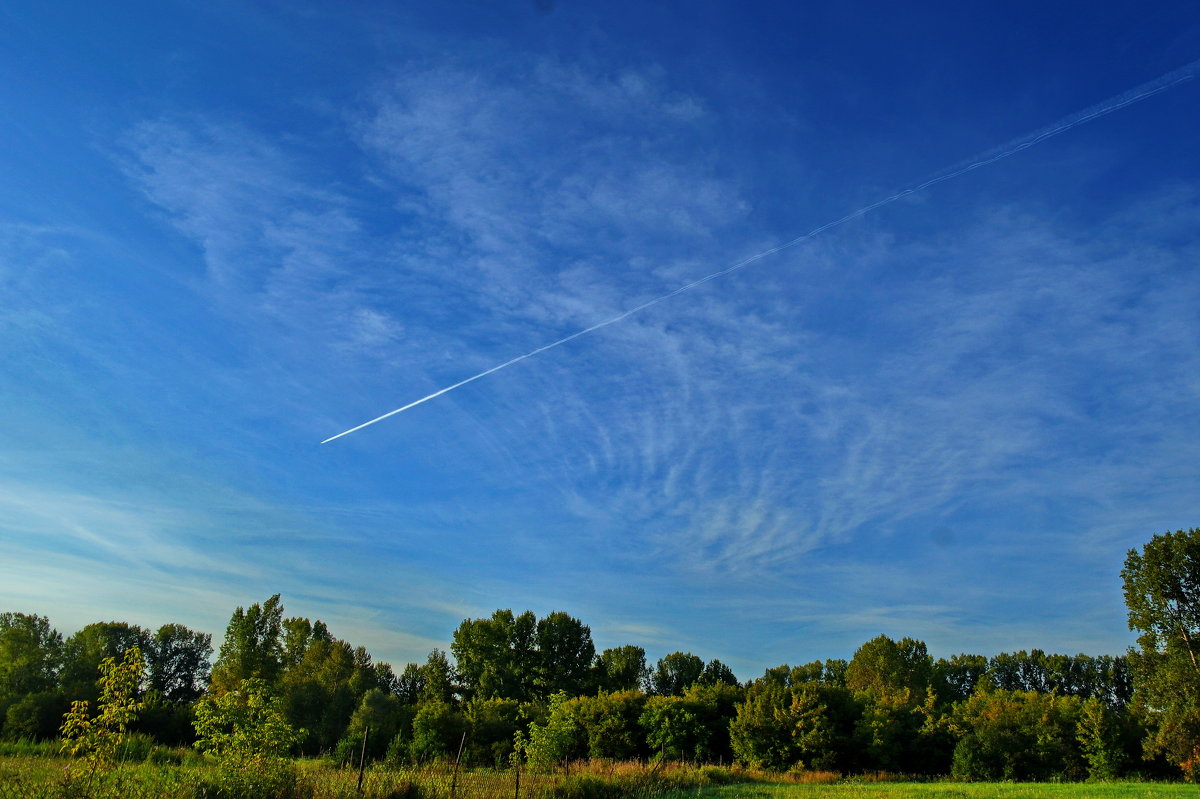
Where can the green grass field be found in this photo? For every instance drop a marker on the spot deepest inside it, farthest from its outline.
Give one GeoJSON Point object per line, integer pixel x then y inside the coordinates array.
{"type": "Point", "coordinates": [42, 777]}
{"type": "Point", "coordinates": [949, 790]}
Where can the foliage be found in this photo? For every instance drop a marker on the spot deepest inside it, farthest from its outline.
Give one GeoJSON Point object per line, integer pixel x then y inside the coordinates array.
{"type": "Point", "coordinates": [886, 667]}
{"type": "Point", "coordinates": [955, 678]}
{"type": "Point", "coordinates": [610, 724]}
{"type": "Point", "coordinates": [86, 649]}
{"type": "Point", "coordinates": [98, 737]}
{"type": "Point", "coordinates": [322, 691]}
{"type": "Point", "coordinates": [675, 673]}
{"type": "Point", "coordinates": [30, 650]}
{"type": "Point", "coordinates": [556, 740]}
{"type": "Point", "coordinates": [675, 727]}
{"type": "Point", "coordinates": [245, 730]}
{"type": "Point", "coordinates": [492, 725]}
{"type": "Point", "coordinates": [378, 718]}
{"type": "Point", "coordinates": [35, 716]}
{"type": "Point", "coordinates": [523, 657]}
{"type": "Point", "coordinates": [1099, 734]}
{"type": "Point", "coordinates": [761, 732]}
{"type": "Point", "coordinates": [1162, 592]}
{"type": "Point", "coordinates": [621, 668]}
{"type": "Point", "coordinates": [565, 654]}
{"type": "Point", "coordinates": [244, 722]}
{"type": "Point", "coordinates": [253, 647]}
{"type": "Point", "coordinates": [438, 680]}
{"type": "Point", "coordinates": [1018, 735]}
{"type": "Point", "coordinates": [437, 732]}
{"type": "Point", "coordinates": [178, 662]}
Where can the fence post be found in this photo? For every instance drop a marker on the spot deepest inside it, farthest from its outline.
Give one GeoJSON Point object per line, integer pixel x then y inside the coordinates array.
{"type": "Point", "coordinates": [362, 757]}
{"type": "Point", "coordinates": [454, 779]}
{"type": "Point", "coordinates": [517, 789]}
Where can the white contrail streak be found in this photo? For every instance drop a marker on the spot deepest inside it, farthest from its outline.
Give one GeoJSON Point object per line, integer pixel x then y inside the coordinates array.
{"type": "Point", "coordinates": [1115, 103]}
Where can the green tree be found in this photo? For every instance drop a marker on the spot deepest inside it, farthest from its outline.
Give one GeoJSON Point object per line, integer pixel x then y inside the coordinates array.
{"type": "Point", "coordinates": [676, 727]}
{"type": "Point", "coordinates": [565, 654]}
{"type": "Point", "coordinates": [955, 679]}
{"type": "Point", "coordinates": [675, 673]}
{"type": "Point", "coordinates": [609, 721]}
{"type": "Point", "coordinates": [497, 658]}
{"type": "Point", "coordinates": [1099, 734]}
{"type": "Point", "coordinates": [1162, 592]}
{"type": "Point", "coordinates": [715, 672]}
{"type": "Point", "coordinates": [884, 666]}
{"type": "Point", "coordinates": [410, 685]}
{"type": "Point", "coordinates": [98, 737]}
{"type": "Point", "coordinates": [178, 662]}
{"type": "Point", "coordinates": [716, 705]}
{"type": "Point", "coordinates": [253, 647]}
{"type": "Point", "coordinates": [493, 724]}
{"type": "Point", "coordinates": [761, 732]}
{"type": "Point", "coordinates": [322, 691]}
{"type": "Point", "coordinates": [30, 654]}
{"type": "Point", "coordinates": [621, 668]}
{"type": "Point", "coordinates": [1018, 735]}
{"type": "Point", "coordinates": [85, 650]}
{"type": "Point", "coordinates": [438, 680]}
{"type": "Point", "coordinates": [35, 716]}
{"type": "Point", "coordinates": [437, 731]}
{"type": "Point", "coordinates": [813, 733]}
{"type": "Point", "coordinates": [379, 717]}
{"type": "Point", "coordinates": [558, 739]}
{"type": "Point", "coordinates": [245, 730]}
{"type": "Point", "coordinates": [298, 633]}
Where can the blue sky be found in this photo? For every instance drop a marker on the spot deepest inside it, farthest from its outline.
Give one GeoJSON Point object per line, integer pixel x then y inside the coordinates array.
{"type": "Point", "coordinates": [229, 231]}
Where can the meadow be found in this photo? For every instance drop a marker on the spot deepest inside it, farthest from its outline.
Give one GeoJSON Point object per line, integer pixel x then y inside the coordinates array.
{"type": "Point", "coordinates": [37, 776]}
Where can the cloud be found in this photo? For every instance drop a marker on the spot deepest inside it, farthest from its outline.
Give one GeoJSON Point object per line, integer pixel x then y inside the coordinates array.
{"type": "Point", "coordinates": [1000, 371]}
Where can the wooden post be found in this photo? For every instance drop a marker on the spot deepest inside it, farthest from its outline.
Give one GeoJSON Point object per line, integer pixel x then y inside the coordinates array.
{"type": "Point", "coordinates": [517, 789]}
{"type": "Point", "coordinates": [362, 756]}
{"type": "Point", "coordinates": [454, 779]}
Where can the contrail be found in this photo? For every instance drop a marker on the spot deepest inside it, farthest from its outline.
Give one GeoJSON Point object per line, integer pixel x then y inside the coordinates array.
{"type": "Point", "coordinates": [1115, 103]}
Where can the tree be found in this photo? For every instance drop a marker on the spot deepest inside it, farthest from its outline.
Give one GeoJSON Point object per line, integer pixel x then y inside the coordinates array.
{"type": "Point", "coordinates": [610, 723]}
{"type": "Point", "coordinates": [715, 672]}
{"type": "Point", "coordinates": [35, 716]}
{"type": "Point", "coordinates": [439, 681]}
{"type": "Point", "coordinates": [565, 653]}
{"type": "Point", "coordinates": [675, 673]}
{"type": "Point", "coordinates": [98, 737]}
{"type": "Point", "coordinates": [761, 733]}
{"type": "Point", "coordinates": [245, 730]}
{"type": "Point", "coordinates": [378, 717]}
{"type": "Point", "coordinates": [30, 653]}
{"type": "Point", "coordinates": [955, 679]}
{"type": "Point", "coordinates": [298, 634]}
{"type": "Point", "coordinates": [437, 731]}
{"type": "Point", "coordinates": [493, 724]}
{"type": "Point", "coordinates": [253, 647]}
{"type": "Point", "coordinates": [1162, 592]}
{"type": "Point", "coordinates": [1018, 735]}
{"type": "Point", "coordinates": [622, 668]}
{"type": "Point", "coordinates": [884, 666]}
{"type": "Point", "coordinates": [497, 657]}
{"type": "Point", "coordinates": [178, 662]}
{"type": "Point", "coordinates": [1099, 736]}
{"type": "Point", "coordinates": [410, 684]}
{"type": "Point", "coordinates": [558, 739]}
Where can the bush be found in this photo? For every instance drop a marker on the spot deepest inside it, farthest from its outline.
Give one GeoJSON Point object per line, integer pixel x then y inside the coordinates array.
{"type": "Point", "coordinates": [262, 778]}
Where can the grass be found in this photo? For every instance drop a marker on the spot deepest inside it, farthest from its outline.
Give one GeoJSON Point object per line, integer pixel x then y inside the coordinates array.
{"type": "Point", "coordinates": [27, 775]}
{"type": "Point", "coordinates": [948, 790]}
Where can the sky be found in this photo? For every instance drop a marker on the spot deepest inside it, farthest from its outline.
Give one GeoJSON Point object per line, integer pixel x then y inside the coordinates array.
{"type": "Point", "coordinates": [231, 230]}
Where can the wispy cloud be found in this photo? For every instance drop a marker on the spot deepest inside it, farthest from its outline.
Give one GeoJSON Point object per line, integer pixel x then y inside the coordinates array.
{"type": "Point", "coordinates": [846, 394]}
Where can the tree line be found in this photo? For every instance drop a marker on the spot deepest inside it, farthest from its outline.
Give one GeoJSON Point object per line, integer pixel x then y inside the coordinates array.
{"type": "Point", "coordinates": [518, 688]}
